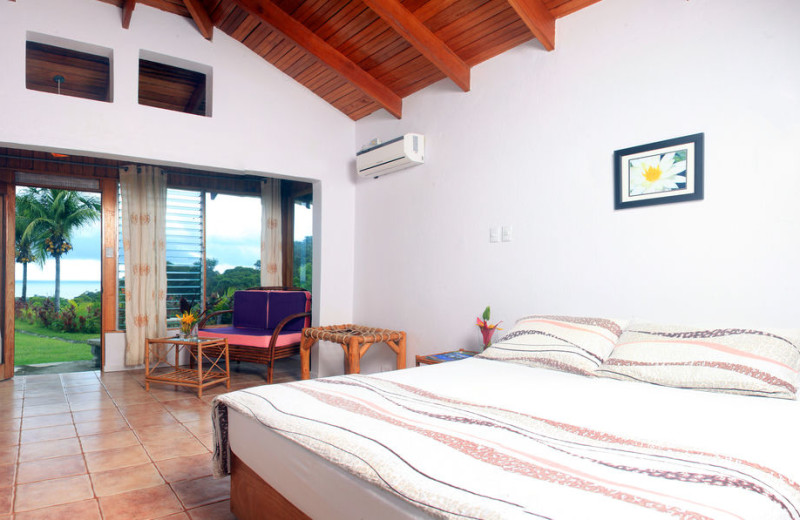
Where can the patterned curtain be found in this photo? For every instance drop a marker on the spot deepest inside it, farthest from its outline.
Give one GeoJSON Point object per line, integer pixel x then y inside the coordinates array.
{"type": "Point", "coordinates": [271, 243]}
{"type": "Point", "coordinates": [144, 212]}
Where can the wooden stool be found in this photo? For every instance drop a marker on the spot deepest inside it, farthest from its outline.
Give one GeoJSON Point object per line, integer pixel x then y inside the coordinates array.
{"type": "Point", "coordinates": [355, 341]}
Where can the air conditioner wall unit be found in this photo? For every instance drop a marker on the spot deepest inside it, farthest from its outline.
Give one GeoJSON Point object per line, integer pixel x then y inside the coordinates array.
{"type": "Point", "coordinates": [397, 154]}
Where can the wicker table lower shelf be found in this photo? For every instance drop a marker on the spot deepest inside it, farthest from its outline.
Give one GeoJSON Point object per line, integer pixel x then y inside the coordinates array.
{"type": "Point", "coordinates": [167, 371]}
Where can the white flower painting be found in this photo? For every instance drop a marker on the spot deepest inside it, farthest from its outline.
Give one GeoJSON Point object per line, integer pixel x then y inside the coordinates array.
{"type": "Point", "coordinates": [658, 173]}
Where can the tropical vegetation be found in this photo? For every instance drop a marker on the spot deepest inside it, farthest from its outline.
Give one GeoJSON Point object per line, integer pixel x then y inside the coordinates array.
{"type": "Point", "coordinates": [79, 315]}
{"type": "Point", "coordinates": [24, 247]}
{"type": "Point", "coordinates": [52, 216]}
{"type": "Point", "coordinates": [52, 329]}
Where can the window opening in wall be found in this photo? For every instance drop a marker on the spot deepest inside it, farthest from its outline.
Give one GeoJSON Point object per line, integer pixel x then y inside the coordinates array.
{"type": "Point", "coordinates": [214, 247]}
{"type": "Point", "coordinates": [184, 244]}
{"type": "Point", "coordinates": [233, 248]}
{"type": "Point", "coordinates": [303, 242]}
{"type": "Point", "coordinates": [67, 72]}
{"type": "Point", "coordinates": [172, 88]}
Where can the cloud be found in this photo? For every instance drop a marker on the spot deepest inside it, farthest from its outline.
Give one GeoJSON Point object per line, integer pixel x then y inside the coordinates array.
{"type": "Point", "coordinates": [77, 270]}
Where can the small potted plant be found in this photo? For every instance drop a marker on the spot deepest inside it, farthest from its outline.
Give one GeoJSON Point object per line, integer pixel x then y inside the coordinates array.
{"type": "Point", "coordinates": [487, 329]}
{"type": "Point", "coordinates": [187, 320]}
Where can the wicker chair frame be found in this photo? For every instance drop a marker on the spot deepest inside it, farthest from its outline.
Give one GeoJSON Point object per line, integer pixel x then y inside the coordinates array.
{"type": "Point", "coordinates": [263, 356]}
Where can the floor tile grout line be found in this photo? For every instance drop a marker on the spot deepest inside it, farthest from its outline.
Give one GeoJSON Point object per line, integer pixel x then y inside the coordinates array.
{"type": "Point", "coordinates": [119, 384]}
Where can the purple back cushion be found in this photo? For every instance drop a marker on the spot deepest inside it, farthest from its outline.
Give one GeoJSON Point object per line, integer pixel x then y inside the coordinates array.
{"type": "Point", "coordinates": [284, 303]}
{"type": "Point", "coordinates": [249, 309]}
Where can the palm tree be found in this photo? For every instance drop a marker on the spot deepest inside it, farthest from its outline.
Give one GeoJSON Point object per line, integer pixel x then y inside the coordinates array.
{"type": "Point", "coordinates": [24, 246]}
{"type": "Point", "coordinates": [54, 215]}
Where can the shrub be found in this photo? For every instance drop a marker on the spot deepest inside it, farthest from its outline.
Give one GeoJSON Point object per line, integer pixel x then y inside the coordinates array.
{"type": "Point", "coordinates": [79, 315]}
{"type": "Point", "coordinates": [46, 313]}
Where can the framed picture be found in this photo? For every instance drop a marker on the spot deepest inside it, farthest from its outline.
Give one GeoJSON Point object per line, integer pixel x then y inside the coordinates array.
{"type": "Point", "coordinates": [659, 173]}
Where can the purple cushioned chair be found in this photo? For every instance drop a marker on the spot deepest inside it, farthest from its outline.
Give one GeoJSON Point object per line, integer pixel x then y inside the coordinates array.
{"type": "Point", "coordinates": [267, 325]}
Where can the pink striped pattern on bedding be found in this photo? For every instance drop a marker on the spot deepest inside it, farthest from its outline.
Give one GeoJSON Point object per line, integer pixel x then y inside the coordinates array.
{"type": "Point", "coordinates": [455, 459]}
{"type": "Point", "coordinates": [740, 361]}
{"type": "Point", "coordinates": [569, 344]}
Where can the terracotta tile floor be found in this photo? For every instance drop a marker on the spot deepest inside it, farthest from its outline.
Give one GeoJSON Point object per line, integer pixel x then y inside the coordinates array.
{"type": "Point", "coordinates": [89, 445]}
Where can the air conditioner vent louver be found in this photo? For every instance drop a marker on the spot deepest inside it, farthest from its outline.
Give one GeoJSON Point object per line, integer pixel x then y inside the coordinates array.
{"type": "Point", "coordinates": [397, 154]}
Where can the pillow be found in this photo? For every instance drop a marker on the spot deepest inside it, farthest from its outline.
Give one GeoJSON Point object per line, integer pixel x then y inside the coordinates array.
{"type": "Point", "coordinates": [578, 345]}
{"type": "Point", "coordinates": [739, 361]}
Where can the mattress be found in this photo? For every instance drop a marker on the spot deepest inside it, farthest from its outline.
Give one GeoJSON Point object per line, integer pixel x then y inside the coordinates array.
{"type": "Point", "coordinates": [760, 430]}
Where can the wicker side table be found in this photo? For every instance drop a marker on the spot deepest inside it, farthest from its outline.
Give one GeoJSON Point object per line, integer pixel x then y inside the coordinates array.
{"type": "Point", "coordinates": [162, 365]}
{"type": "Point", "coordinates": [355, 340]}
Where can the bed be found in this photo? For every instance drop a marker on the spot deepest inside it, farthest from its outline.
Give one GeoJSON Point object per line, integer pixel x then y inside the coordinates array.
{"type": "Point", "coordinates": [482, 438]}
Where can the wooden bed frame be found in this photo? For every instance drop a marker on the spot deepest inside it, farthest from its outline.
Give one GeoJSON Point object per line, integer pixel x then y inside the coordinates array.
{"type": "Point", "coordinates": [254, 499]}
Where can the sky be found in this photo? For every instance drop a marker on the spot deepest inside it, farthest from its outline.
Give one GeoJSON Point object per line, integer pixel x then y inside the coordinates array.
{"type": "Point", "coordinates": [233, 237]}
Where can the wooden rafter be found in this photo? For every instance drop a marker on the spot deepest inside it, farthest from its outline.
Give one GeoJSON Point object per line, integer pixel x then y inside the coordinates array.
{"type": "Point", "coordinates": [298, 33]}
{"type": "Point", "coordinates": [127, 12]}
{"type": "Point", "coordinates": [538, 19]}
{"type": "Point", "coordinates": [197, 97]}
{"type": "Point", "coordinates": [200, 17]}
{"type": "Point", "coordinates": [428, 44]}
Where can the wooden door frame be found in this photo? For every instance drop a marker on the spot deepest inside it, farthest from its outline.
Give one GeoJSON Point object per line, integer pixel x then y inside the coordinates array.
{"type": "Point", "coordinates": [8, 194]}
{"type": "Point", "coordinates": [108, 238]}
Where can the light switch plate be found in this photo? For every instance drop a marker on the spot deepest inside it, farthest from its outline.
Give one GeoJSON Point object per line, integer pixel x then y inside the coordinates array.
{"type": "Point", "coordinates": [506, 233]}
{"type": "Point", "coordinates": [494, 234]}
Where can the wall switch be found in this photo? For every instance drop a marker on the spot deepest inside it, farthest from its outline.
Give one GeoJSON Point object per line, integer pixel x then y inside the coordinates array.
{"type": "Point", "coordinates": [506, 233]}
{"type": "Point", "coordinates": [494, 234]}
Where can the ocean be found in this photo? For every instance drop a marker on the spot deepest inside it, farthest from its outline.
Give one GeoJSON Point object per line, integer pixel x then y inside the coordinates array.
{"type": "Point", "coordinates": [69, 289]}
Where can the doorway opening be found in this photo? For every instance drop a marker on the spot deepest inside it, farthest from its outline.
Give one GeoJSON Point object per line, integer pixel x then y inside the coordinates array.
{"type": "Point", "coordinates": [57, 311]}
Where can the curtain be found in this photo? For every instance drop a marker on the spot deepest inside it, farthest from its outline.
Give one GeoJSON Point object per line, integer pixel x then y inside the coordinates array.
{"type": "Point", "coordinates": [271, 243]}
{"type": "Point", "coordinates": [144, 212]}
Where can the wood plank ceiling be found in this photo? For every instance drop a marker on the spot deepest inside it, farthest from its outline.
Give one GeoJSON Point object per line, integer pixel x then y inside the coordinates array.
{"type": "Point", "coordinates": [363, 55]}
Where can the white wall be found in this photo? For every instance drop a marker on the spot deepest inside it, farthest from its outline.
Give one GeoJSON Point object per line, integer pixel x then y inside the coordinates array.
{"type": "Point", "coordinates": [531, 146]}
{"type": "Point", "coordinates": [263, 122]}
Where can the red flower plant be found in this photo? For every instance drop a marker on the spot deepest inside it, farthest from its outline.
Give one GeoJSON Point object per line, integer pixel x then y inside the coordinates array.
{"type": "Point", "coordinates": [487, 330]}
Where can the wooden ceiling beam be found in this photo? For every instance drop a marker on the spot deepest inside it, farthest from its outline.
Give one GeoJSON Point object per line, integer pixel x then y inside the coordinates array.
{"type": "Point", "coordinates": [127, 13]}
{"type": "Point", "coordinates": [539, 20]}
{"type": "Point", "coordinates": [197, 97]}
{"type": "Point", "coordinates": [423, 39]}
{"type": "Point", "coordinates": [201, 18]}
{"type": "Point", "coordinates": [302, 36]}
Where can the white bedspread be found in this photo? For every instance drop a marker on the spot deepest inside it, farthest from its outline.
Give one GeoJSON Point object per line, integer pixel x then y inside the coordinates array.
{"type": "Point", "coordinates": [574, 447]}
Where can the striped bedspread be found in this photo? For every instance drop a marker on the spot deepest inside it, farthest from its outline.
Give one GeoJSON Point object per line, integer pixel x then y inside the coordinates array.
{"type": "Point", "coordinates": [454, 459]}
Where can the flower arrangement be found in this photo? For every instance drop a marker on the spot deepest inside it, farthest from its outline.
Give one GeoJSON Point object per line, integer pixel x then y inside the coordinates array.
{"type": "Point", "coordinates": [487, 329]}
{"type": "Point", "coordinates": [187, 319]}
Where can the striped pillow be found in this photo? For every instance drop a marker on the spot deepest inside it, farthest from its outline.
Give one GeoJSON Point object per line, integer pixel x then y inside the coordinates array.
{"type": "Point", "coordinates": [578, 345]}
{"type": "Point", "coordinates": [739, 361]}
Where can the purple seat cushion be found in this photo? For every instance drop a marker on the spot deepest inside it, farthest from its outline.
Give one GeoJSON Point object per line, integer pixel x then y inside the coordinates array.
{"type": "Point", "coordinates": [285, 303]}
{"type": "Point", "coordinates": [250, 310]}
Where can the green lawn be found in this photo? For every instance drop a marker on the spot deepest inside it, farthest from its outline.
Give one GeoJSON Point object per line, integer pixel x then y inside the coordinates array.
{"type": "Point", "coordinates": [44, 331]}
{"type": "Point", "coordinates": [32, 350]}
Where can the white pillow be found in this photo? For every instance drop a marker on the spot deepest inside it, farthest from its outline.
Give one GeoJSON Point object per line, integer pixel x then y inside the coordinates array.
{"type": "Point", "coordinates": [570, 344]}
{"type": "Point", "coordinates": [733, 360]}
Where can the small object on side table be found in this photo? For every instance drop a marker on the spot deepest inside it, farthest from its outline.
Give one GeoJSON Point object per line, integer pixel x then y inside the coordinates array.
{"type": "Point", "coordinates": [487, 329]}
{"type": "Point", "coordinates": [442, 357]}
{"type": "Point", "coordinates": [166, 371]}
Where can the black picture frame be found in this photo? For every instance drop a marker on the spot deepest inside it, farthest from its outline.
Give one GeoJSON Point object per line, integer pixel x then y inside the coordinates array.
{"type": "Point", "coordinates": [659, 173]}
